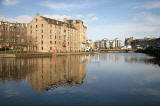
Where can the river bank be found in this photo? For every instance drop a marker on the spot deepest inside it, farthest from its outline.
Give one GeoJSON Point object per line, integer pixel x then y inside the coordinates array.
{"type": "Point", "coordinates": [30, 55]}
{"type": "Point", "coordinates": [151, 51]}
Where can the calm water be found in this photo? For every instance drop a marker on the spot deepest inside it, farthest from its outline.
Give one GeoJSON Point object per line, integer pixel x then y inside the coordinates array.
{"type": "Point", "coordinates": [106, 79]}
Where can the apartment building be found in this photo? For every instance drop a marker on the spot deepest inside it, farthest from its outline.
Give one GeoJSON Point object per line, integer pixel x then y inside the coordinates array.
{"type": "Point", "coordinates": [108, 44]}
{"type": "Point", "coordinates": [51, 35]}
{"type": "Point", "coordinates": [116, 43]}
{"type": "Point", "coordinates": [13, 35]}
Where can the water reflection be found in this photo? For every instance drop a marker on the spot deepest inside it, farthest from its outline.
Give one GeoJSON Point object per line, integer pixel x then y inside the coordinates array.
{"type": "Point", "coordinates": [15, 69]}
{"type": "Point", "coordinates": [45, 73]}
{"type": "Point", "coordinates": [124, 57]}
{"type": "Point", "coordinates": [104, 79]}
{"type": "Point", "coordinates": [150, 61]}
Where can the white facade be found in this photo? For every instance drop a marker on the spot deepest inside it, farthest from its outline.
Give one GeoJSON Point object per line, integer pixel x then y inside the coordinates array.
{"type": "Point", "coordinates": [109, 44]}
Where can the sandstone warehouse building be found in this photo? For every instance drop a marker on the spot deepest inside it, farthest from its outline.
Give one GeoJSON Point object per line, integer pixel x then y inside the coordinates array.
{"type": "Point", "coordinates": [51, 35]}
{"type": "Point", "coordinates": [43, 34]}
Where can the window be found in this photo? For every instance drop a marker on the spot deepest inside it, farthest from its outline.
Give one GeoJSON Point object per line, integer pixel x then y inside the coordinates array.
{"type": "Point", "coordinates": [50, 42]}
{"type": "Point", "coordinates": [55, 42]}
{"type": "Point", "coordinates": [64, 32]}
{"type": "Point", "coordinates": [55, 37]}
{"type": "Point", "coordinates": [42, 48]}
{"type": "Point", "coordinates": [42, 36]}
{"type": "Point", "coordinates": [36, 19]}
{"type": "Point", "coordinates": [31, 32]}
{"type": "Point", "coordinates": [42, 42]}
{"type": "Point", "coordinates": [50, 36]}
{"type": "Point", "coordinates": [36, 26]}
{"type": "Point", "coordinates": [42, 25]}
{"type": "Point", "coordinates": [31, 27]}
{"type": "Point", "coordinates": [50, 48]}
{"type": "Point", "coordinates": [42, 31]}
{"type": "Point", "coordinates": [50, 31]}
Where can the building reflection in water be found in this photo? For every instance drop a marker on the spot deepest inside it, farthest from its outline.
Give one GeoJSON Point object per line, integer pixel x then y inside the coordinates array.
{"type": "Point", "coordinates": [45, 73]}
{"type": "Point", "coordinates": [15, 69]}
{"type": "Point", "coordinates": [149, 61]}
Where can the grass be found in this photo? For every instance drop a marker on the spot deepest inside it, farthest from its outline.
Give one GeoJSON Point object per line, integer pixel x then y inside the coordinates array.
{"type": "Point", "coordinates": [11, 51]}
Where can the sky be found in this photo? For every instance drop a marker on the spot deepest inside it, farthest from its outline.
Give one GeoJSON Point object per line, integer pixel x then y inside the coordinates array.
{"type": "Point", "coordinates": [103, 18]}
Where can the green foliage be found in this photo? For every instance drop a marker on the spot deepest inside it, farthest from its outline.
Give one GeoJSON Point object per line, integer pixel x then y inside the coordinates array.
{"type": "Point", "coordinates": [11, 51]}
{"type": "Point", "coordinates": [151, 50]}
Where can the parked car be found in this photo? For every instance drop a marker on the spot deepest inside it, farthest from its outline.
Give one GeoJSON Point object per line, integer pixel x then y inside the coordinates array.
{"type": "Point", "coordinates": [87, 49]}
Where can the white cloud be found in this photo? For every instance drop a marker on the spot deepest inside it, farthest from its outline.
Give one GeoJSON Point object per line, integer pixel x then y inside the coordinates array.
{"type": "Point", "coordinates": [10, 2]}
{"type": "Point", "coordinates": [149, 5]}
{"type": "Point", "coordinates": [123, 30]}
{"type": "Point", "coordinates": [147, 18]}
{"type": "Point", "coordinates": [90, 15]}
{"type": "Point", "coordinates": [143, 24]}
{"type": "Point", "coordinates": [92, 19]}
{"type": "Point", "coordinates": [58, 17]}
{"type": "Point", "coordinates": [64, 6]}
{"type": "Point", "coordinates": [131, 28]}
{"type": "Point", "coordinates": [79, 16]}
{"type": "Point", "coordinates": [20, 19]}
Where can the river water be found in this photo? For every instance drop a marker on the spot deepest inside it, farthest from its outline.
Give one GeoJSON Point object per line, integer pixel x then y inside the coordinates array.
{"type": "Point", "coordinates": [106, 79]}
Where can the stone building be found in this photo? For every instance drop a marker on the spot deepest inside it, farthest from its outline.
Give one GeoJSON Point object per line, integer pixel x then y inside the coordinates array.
{"type": "Point", "coordinates": [143, 43]}
{"type": "Point", "coordinates": [128, 41]}
{"type": "Point", "coordinates": [13, 36]}
{"type": "Point", "coordinates": [51, 35]}
{"type": "Point", "coordinates": [97, 43]}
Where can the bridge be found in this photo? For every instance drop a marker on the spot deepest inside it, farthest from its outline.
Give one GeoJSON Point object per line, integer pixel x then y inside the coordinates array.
{"type": "Point", "coordinates": [118, 50]}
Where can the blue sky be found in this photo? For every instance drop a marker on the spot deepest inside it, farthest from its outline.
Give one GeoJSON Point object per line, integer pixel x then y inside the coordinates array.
{"type": "Point", "coordinates": [103, 18]}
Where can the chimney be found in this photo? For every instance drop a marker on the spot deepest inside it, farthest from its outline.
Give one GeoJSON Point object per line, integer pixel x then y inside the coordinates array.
{"type": "Point", "coordinates": [37, 14]}
{"type": "Point", "coordinates": [65, 20]}
{"type": "Point", "coordinates": [74, 21]}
